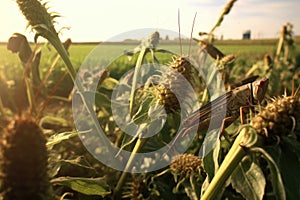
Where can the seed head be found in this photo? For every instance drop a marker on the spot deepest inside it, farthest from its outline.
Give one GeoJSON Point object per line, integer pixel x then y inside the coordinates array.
{"type": "Point", "coordinates": [227, 59]}
{"type": "Point", "coordinates": [167, 98]}
{"type": "Point", "coordinates": [213, 51]}
{"type": "Point", "coordinates": [139, 189]}
{"type": "Point", "coordinates": [24, 161]}
{"type": "Point", "coordinates": [183, 66]}
{"type": "Point", "coordinates": [38, 16]}
{"type": "Point", "coordinates": [174, 81]}
{"type": "Point", "coordinates": [268, 60]}
{"type": "Point", "coordinates": [186, 164]}
{"type": "Point", "coordinates": [279, 118]}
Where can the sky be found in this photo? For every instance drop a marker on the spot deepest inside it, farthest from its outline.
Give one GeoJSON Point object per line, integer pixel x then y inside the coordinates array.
{"type": "Point", "coordinates": [101, 20]}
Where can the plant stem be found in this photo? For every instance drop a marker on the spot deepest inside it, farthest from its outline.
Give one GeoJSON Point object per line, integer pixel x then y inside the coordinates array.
{"type": "Point", "coordinates": [280, 44]}
{"type": "Point", "coordinates": [137, 147]}
{"type": "Point", "coordinates": [64, 55]}
{"type": "Point", "coordinates": [231, 161]}
{"type": "Point", "coordinates": [2, 111]}
{"type": "Point", "coordinates": [135, 78]}
{"type": "Point", "coordinates": [55, 41]}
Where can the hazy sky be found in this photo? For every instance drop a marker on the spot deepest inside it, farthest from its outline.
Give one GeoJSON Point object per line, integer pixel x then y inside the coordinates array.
{"type": "Point", "coordinates": [96, 20]}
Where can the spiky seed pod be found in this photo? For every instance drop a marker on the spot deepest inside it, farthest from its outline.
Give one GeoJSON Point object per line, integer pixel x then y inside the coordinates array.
{"type": "Point", "coordinates": [171, 85]}
{"type": "Point", "coordinates": [186, 164]}
{"type": "Point", "coordinates": [279, 118]}
{"type": "Point", "coordinates": [184, 67]}
{"type": "Point", "coordinates": [160, 93]}
{"type": "Point", "coordinates": [268, 61]}
{"type": "Point", "coordinates": [24, 161]}
{"type": "Point", "coordinates": [36, 13]}
{"type": "Point", "coordinates": [167, 98]}
{"type": "Point", "coordinates": [227, 59]}
{"type": "Point", "coordinates": [138, 189]}
{"type": "Point", "coordinates": [171, 88]}
{"type": "Point", "coordinates": [213, 51]}
{"type": "Point", "coordinates": [39, 19]}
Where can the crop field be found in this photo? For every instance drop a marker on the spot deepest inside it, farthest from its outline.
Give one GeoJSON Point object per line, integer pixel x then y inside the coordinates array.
{"type": "Point", "coordinates": [248, 54]}
{"type": "Point", "coordinates": [11, 67]}
{"type": "Point", "coordinates": [57, 112]}
{"type": "Point", "coordinates": [148, 119]}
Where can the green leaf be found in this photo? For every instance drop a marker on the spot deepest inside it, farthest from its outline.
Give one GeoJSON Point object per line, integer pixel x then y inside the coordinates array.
{"type": "Point", "coordinates": [109, 83]}
{"type": "Point", "coordinates": [36, 79]}
{"type": "Point", "coordinates": [141, 116]}
{"type": "Point", "coordinates": [210, 161]}
{"type": "Point", "coordinates": [101, 100]}
{"type": "Point", "coordinates": [139, 63]}
{"type": "Point", "coordinates": [30, 94]}
{"type": "Point", "coordinates": [286, 156]}
{"type": "Point", "coordinates": [53, 122]}
{"type": "Point", "coordinates": [248, 179]}
{"type": "Point", "coordinates": [289, 167]}
{"type": "Point", "coordinates": [88, 186]}
{"type": "Point", "coordinates": [58, 138]}
{"type": "Point", "coordinates": [293, 145]}
{"type": "Point", "coordinates": [78, 162]}
{"type": "Point", "coordinates": [276, 180]}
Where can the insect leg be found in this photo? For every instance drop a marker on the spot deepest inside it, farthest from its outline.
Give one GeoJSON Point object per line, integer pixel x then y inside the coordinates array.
{"type": "Point", "coordinates": [226, 122]}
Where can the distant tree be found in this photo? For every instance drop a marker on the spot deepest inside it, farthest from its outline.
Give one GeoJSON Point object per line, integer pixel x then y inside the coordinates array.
{"type": "Point", "coordinates": [167, 37]}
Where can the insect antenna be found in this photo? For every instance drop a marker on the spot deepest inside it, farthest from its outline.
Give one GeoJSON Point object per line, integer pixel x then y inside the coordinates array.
{"type": "Point", "coordinates": [180, 42]}
{"type": "Point", "coordinates": [297, 91]}
{"type": "Point", "coordinates": [191, 37]}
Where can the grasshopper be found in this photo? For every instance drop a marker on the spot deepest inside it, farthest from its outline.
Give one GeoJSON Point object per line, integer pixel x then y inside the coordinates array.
{"type": "Point", "coordinates": [233, 103]}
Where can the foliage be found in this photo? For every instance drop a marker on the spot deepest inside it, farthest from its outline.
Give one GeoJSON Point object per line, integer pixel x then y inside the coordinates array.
{"type": "Point", "coordinates": [244, 164]}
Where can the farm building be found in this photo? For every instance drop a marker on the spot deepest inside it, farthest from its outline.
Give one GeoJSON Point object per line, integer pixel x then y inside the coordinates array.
{"type": "Point", "coordinates": [247, 35]}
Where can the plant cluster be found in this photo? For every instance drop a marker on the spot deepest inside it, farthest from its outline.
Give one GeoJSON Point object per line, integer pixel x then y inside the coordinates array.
{"type": "Point", "coordinates": [42, 156]}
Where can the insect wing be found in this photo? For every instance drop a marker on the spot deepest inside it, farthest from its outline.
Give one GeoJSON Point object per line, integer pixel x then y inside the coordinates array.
{"type": "Point", "coordinates": [204, 113]}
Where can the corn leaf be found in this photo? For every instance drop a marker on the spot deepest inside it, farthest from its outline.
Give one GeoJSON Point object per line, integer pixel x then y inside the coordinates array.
{"type": "Point", "coordinates": [58, 138]}
{"type": "Point", "coordinates": [289, 167]}
{"type": "Point", "coordinates": [248, 179]}
{"type": "Point", "coordinates": [276, 180]}
{"type": "Point", "coordinates": [88, 186]}
{"type": "Point", "coordinates": [101, 100]}
{"type": "Point", "coordinates": [210, 152]}
{"type": "Point", "coordinates": [109, 83]}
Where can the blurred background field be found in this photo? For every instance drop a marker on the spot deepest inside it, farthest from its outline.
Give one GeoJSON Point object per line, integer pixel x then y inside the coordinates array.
{"type": "Point", "coordinates": [246, 51]}
{"type": "Point", "coordinates": [249, 55]}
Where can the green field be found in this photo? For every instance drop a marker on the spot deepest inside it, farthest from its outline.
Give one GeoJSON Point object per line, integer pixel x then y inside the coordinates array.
{"type": "Point", "coordinates": [18, 91]}
{"type": "Point", "coordinates": [247, 53]}
{"type": "Point", "coordinates": [175, 118]}
{"type": "Point", "coordinates": [112, 55]}
{"type": "Point", "coordinates": [108, 52]}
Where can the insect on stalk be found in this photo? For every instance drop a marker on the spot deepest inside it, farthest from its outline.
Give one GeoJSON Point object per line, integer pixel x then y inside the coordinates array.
{"type": "Point", "coordinates": [181, 66]}
{"type": "Point", "coordinates": [182, 63]}
{"type": "Point", "coordinates": [233, 103]}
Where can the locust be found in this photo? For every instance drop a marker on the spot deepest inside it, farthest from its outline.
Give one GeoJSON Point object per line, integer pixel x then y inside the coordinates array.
{"type": "Point", "coordinates": [233, 103]}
